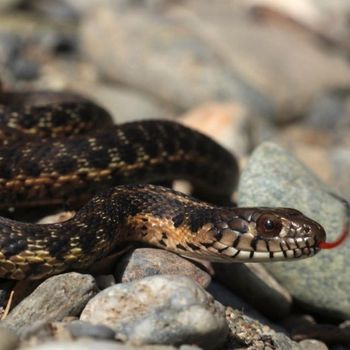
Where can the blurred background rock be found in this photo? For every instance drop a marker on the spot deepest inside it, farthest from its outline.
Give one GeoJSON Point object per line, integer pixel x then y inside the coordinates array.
{"type": "Point", "coordinates": [242, 71]}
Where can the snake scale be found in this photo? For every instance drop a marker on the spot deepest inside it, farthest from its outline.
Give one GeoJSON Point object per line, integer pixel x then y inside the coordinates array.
{"type": "Point", "coordinates": [57, 146]}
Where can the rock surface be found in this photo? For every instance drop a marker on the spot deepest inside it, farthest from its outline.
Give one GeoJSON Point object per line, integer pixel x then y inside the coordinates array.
{"type": "Point", "coordinates": [170, 310]}
{"type": "Point", "coordinates": [57, 297]}
{"type": "Point", "coordinates": [273, 177]}
{"type": "Point", "coordinates": [144, 262]}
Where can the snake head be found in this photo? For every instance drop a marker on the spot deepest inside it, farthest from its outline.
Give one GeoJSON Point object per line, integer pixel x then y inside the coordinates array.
{"type": "Point", "coordinates": [283, 233]}
{"type": "Point", "coordinates": [264, 234]}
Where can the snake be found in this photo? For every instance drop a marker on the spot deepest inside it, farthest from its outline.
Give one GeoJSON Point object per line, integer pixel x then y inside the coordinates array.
{"type": "Point", "coordinates": [55, 146]}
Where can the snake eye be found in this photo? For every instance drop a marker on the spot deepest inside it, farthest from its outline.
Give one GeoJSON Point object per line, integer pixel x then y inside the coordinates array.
{"type": "Point", "coordinates": [269, 225]}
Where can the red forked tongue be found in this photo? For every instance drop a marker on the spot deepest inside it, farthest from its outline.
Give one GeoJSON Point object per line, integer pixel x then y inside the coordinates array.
{"type": "Point", "coordinates": [344, 234]}
{"type": "Point", "coordinates": [330, 245]}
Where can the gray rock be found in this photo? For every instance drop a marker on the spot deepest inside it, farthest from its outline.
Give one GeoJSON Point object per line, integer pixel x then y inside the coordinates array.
{"type": "Point", "coordinates": [257, 287]}
{"type": "Point", "coordinates": [8, 339]}
{"type": "Point", "coordinates": [80, 329]}
{"type": "Point", "coordinates": [57, 297]}
{"type": "Point", "coordinates": [273, 177]}
{"type": "Point", "coordinates": [170, 310]}
{"type": "Point", "coordinates": [176, 66]}
{"type": "Point", "coordinates": [146, 262]}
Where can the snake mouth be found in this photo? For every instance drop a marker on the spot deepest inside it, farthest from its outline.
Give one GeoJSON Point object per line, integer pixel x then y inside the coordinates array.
{"type": "Point", "coordinates": [297, 253]}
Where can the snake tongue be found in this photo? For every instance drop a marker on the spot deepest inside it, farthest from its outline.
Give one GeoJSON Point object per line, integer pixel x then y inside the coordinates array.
{"type": "Point", "coordinates": [330, 245]}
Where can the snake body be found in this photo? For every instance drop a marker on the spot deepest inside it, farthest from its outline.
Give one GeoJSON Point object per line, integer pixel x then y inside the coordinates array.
{"type": "Point", "coordinates": [50, 168]}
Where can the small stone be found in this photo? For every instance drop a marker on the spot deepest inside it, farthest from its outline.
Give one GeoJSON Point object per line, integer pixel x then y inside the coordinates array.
{"type": "Point", "coordinates": [80, 329]}
{"type": "Point", "coordinates": [257, 287]}
{"type": "Point", "coordinates": [57, 297]}
{"type": "Point", "coordinates": [170, 310]}
{"type": "Point", "coordinates": [8, 339]}
{"type": "Point", "coordinates": [312, 344]}
{"type": "Point", "coordinates": [275, 178]}
{"type": "Point", "coordinates": [144, 262]}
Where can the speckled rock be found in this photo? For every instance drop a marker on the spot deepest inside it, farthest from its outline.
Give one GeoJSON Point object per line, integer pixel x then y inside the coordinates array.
{"type": "Point", "coordinates": [57, 297]}
{"type": "Point", "coordinates": [165, 309]}
{"type": "Point", "coordinates": [146, 262]}
{"type": "Point", "coordinates": [257, 287]}
{"type": "Point", "coordinates": [273, 177]}
{"type": "Point", "coordinates": [245, 331]}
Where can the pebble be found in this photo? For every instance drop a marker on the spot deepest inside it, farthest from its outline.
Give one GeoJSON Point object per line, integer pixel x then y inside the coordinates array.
{"type": "Point", "coordinates": [57, 297]}
{"type": "Point", "coordinates": [144, 262]}
{"type": "Point", "coordinates": [8, 339]}
{"type": "Point", "coordinates": [257, 287]}
{"type": "Point", "coordinates": [80, 329]}
{"type": "Point", "coordinates": [312, 344]}
{"type": "Point", "coordinates": [273, 177]}
{"type": "Point", "coordinates": [164, 309]}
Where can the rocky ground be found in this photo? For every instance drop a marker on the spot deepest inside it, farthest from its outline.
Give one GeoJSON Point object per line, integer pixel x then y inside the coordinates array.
{"type": "Point", "coordinates": [269, 80]}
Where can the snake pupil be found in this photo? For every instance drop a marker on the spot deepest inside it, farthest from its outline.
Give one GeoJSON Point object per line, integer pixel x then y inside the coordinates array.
{"type": "Point", "coordinates": [269, 225]}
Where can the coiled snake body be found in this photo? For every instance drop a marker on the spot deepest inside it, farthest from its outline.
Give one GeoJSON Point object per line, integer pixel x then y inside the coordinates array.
{"type": "Point", "coordinates": [69, 164]}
